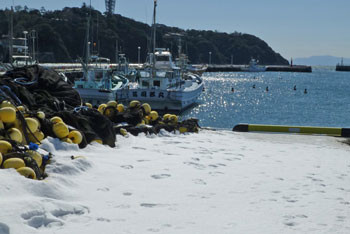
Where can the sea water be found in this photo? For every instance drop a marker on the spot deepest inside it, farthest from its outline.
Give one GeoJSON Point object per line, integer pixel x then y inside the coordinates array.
{"type": "Point", "coordinates": [326, 101]}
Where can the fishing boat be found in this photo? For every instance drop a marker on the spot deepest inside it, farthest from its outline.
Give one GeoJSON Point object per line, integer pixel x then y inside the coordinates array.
{"type": "Point", "coordinates": [254, 67]}
{"type": "Point", "coordinates": [100, 85]}
{"type": "Point", "coordinates": [161, 83]}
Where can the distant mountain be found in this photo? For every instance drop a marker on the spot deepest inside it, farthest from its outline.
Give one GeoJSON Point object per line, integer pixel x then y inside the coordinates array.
{"type": "Point", "coordinates": [325, 60]}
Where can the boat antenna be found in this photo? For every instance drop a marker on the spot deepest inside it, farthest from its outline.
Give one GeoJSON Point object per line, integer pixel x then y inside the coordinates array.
{"type": "Point", "coordinates": [11, 36]}
{"type": "Point", "coordinates": [154, 35]}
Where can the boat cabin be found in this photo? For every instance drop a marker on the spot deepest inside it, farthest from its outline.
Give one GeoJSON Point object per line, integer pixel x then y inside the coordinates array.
{"type": "Point", "coordinates": [164, 75]}
{"type": "Point", "coordinates": [97, 78]}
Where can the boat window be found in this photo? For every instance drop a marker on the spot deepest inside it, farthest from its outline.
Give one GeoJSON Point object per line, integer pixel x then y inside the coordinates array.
{"type": "Point", "coordinates": [143, 94]}
{"type": "Point", "coordinates": [156, 83]}
{"type": "Point", "coordinates": [161, 94]}
{"type": "Point", "coordinates": [169, 75]}
{"type": "Point", "coordinates": [160, 74]}
{"type": "Point", "coordinates": [144, 74]}
{"type": "Point", "coordinates": [134, 94]}
{"type": "Point", "coordinates": [152, 94]}
{"type": "Point", "coordinates": [98, 75]}
{"type": "Point", "coordinates": [145, 83]}
{"type": "Point", "coordinates": [163, 58]}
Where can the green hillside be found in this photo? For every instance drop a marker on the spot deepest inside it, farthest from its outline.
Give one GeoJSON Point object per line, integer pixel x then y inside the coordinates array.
{"type": "Point", "coordinates": [62, 37]}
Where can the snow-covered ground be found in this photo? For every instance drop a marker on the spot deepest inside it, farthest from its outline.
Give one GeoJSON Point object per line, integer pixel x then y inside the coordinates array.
{"type": "Point", "coordinates": [211, 182]}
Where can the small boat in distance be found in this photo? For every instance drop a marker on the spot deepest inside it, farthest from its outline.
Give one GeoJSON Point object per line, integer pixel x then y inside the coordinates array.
{"type": "Point", "coordinates": [254, 67]}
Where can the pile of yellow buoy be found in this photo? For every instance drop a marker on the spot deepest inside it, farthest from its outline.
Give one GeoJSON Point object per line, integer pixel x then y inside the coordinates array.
{"type": "Point", "coordinates": [62, 132]}
{"type": "Point", "coordinates": [16, 122]}
{"type": "Point", "coordinates": [20, 127]}
{"type": "Point", "coordinates": [149, 116]}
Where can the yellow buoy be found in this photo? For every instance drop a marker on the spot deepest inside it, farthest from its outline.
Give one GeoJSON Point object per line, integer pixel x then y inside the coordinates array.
{"type": "Point", "coordinates": [147, 108]}
{"type": "Point", "coordinates": [75, 137]}
{"type": "Point", "coordinates": [13, 163]}
{"type": "Point", "coordinates": [27, 172]}
{"type": "Point", "coordinates": [112, 103]}
{"type": "Point", "coordinates": [154, 115]}
{"type": "Point", "coordinates": [67, 140]}
{"type": "Point", "coordinates": [134, 103]}
{"type": "Point", "coordinates": [56, 119]}
{"type": "Point", "coordinates": [60, 130]}
{"type": "Point", "coordinates": [98, 141]}
{"type": "Point", "coordinates": [183, 129]}
{"type": "Point", "coordinates": [109, 112]}
{"type": "Point", "coordinates": [8, 114]}
{"type": "Point", "coordinates": [173, 118]}
{"type": "Point", "coordinates": [32, 124]}
{"type": "Point", "coordinates": [123, 132]}
{"type": "Point", "coordinates": [15, 134]}
{"type": "Point", "coordinates": [36, 156]}
{"type": "Point", "coordinates": [1, 158]}
{"type": "Point", "coordinates": [6, 104]}
{"type": "Point", "coordinates": [21, 108]}
{"type": "Point", "coordinates": [40, 115]}
{"type": "Point", "coordinates": [120, 108]}
{"type": "Point", "coordinates": [39, 135]}
{"type": "Point", "coordinates": [101, 108]}
{"type": "Point", "coordinates": [5, 147]}
{"type": "Point", "coordinates": [166, 117]}
{"type": "Point", "coordinates": [1, 125]}
{"type": "Point", "coordinates": [146, 120]}
{"type": "Point", "coordinates": [16, 124]}
{"type": "Point", "coordinates": [88, 105]}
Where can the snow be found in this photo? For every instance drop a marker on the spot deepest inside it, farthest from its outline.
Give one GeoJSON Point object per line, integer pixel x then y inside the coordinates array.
{"type": "Point", "coordinates": [211, 182]}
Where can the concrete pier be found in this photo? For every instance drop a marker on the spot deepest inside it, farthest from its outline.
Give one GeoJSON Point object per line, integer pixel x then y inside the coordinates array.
{"type": "Point", "coordinates": [294, 68]}
{"type": "Point", "coordinates": [342, 68]}
{"type": "Point", "coordinates": [240, 68]}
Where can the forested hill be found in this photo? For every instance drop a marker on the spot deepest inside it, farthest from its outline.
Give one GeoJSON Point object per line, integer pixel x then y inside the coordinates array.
{"type": "Point", "coordinates": [62, 37]}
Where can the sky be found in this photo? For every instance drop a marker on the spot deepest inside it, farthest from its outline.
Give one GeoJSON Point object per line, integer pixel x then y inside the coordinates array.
{"type": "Point", "coordinates": [298, 28]}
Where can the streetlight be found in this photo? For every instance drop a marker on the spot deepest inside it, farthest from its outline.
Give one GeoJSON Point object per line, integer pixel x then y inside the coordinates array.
{"type": "Point", "coordinates": [138, 54]}
{"type": "Point", "coordinates": [33, 33]}
{"type": "Point", "coordinates": [25, 46]}
{"type": "Point", "coordinates": [210, 58]}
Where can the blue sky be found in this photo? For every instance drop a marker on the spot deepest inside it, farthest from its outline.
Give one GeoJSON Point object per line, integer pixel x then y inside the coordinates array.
{"type": "Point", "coordinates": [298, 28]}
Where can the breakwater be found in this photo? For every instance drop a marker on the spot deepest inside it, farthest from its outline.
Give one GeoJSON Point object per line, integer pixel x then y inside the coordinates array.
{"type": "Point", "coordinates": [342, 68]}
{"type": "Point", "coordinates": [243, 68]}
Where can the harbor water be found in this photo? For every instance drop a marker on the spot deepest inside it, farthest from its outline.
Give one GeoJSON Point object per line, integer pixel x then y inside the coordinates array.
{"type": "Point", "coordinates": [326, 101]}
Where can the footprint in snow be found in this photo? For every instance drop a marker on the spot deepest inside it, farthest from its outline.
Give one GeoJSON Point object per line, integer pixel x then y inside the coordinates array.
{"type": "Point", "coordinates": [199, 181]}
{"type": "Point", "coordinates": [4, 229]}
{"type": "Point", "coordinates": [127, 166]}
{"type": "Point", "coordinates": [160, 176]}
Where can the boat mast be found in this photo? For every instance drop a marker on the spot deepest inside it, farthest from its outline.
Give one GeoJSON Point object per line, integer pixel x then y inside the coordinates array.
{"type": "Point", "coordinates": [87, 39]}
{"type": "Point", "coordinates": [11, 36]}
{"type": "Point", "coordinates": [154, 37]}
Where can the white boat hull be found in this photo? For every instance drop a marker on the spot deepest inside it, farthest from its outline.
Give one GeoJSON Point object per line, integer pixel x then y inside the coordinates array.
{"type": "Point", "coordinates": [95, 96]}
{"type": "Point", "coordinates": [176, 100]}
